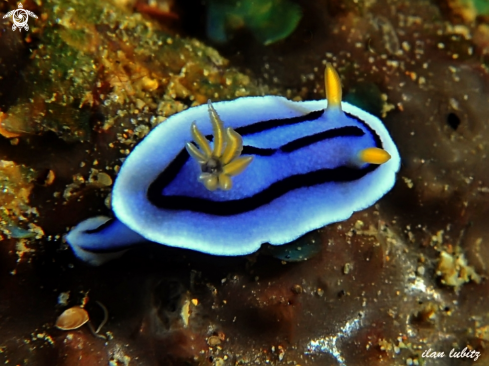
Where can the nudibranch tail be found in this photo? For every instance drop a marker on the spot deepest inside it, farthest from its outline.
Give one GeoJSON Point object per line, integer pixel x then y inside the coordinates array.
{"type": "Point", "coordinates": [100, 239]}
{"type": "Point", "coordinates": [332, 83]}
{"type": "Point", "coordinates": [223, 160]}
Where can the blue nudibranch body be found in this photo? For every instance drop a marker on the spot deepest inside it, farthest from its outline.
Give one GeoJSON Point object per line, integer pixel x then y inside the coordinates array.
{"type": "Point", "coordinates": [275, 170]}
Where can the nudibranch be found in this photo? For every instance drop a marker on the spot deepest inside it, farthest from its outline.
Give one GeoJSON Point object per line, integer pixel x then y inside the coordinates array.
{"type": "Point", "coordinates": [226, 177]}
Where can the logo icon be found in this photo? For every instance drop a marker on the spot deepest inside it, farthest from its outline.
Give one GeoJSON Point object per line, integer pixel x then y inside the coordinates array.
{"type": "Point", "coordinates": [20, 17]}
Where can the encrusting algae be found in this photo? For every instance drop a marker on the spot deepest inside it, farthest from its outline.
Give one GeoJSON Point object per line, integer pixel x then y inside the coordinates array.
{"type": "Point", "coordinates": [16, 215]}
{"type": "Point", "coordinates": [100, 65]}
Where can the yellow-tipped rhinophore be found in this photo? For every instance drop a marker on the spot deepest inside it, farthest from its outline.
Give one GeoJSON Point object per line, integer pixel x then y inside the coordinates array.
{"type": "Point", "coordinates": [222, 162]}
{"type": "Point", "coordinates": [332, 85]}
{"type": "Point", "coordinates": [374, 155]}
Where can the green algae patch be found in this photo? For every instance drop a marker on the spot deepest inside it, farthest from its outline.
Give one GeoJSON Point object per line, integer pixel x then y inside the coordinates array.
{"type": "Point", "coordinates": [269, 21]}
{"type": "Point", "coordinates": [366, 96]}
{"type": "Point", "coordinates": [469, 10]}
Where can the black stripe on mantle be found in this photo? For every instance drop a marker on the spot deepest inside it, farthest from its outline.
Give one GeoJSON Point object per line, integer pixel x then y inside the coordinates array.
{"type": "Point", "coordinates": [348, 131]}
{"type": "Point", "coordinates": [275, 190]}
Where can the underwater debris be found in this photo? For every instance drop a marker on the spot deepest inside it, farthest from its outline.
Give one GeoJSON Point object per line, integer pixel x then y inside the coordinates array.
{"type": "Point", "coordinates": [268, 20]}
{"type": "Point", "coordinates": [76, 316]}
{"type": "Point", "coordinates": [213, 341]}
{"type": "Point", "coordinates": [482, 332]}
{"type": "Point", "coordinates": [72, 318]}
{"type": "Point", "coordinates": [5, 132]}
{"type": "Point", "coordinates": [455, 271]}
